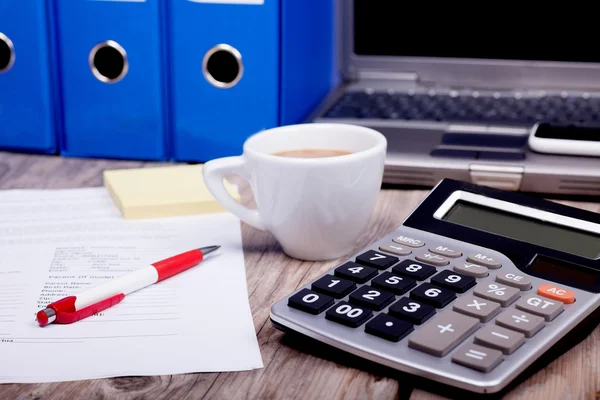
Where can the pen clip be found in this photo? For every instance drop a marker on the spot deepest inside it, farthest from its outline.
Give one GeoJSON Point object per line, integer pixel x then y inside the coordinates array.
{"type": "Point", "coordinates": [68, 317]}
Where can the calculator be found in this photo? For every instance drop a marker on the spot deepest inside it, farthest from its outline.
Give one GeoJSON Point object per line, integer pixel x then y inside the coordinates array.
{"type": "Point", "coordinates": [473, 287]}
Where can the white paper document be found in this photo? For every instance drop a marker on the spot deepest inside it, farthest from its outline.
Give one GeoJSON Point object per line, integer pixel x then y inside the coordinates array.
{"type": "Point", "coordinates": [57, 243]}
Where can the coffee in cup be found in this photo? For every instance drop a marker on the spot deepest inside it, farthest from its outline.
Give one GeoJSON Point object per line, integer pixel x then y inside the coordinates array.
{"type": "Point", "coordinates": [311, 153]}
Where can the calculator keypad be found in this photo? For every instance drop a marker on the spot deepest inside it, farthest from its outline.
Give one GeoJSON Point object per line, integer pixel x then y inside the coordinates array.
{"type": "Point", "coordinates": [476, 307]}
{"type": "Point", "coordinates": [500, 338]}
{"type": "Point", "coordinates": [393, 283]}
{"type": "Point", "coordinates": [484, 260]}
{"type": "Point", "coordinates": [432, 297]}
{"type": "Point", "coordinates": [413, 311]}
{"type": "Point", "coordinates": [348, 314]}
{"type": "Point", "coordinates": [396, 249]}
{"type": "Point", "coordinates": [471, 269]}
{"type": "Point", "coordinates": [310, 302]}
{"type": "Point", "coordinates": [408, 241]}
{"type": "Point", "coordinates": [375, 299]}
{"type": "Point", "coordinates": [333, 286]}
{"type": "Point", "coordinates": [432, 294]}
{"type": "Point", "coordinates": [413, 269]}
{"type": "Point", "coordinates": [504, 295]}
{"type": "Point", "coordinates": [355, 272]}
{"type": "Point", "coordinates": [389, 328]}
{"type": "Point", "coordinates": [433, 259]}
{"type": "Point", "coordinates": [477, 357]}
{"type": "Point", "coordinates": [519, 321]}
{"type": "Point", "coordinates": [556, 293]}
{"type": "Point", "coordinates": [376, 259]}
{"type": "Point", "coordinates": [514, 280]}
{"type": "Point", "coordinates": [443, 333]}
{"type": "Point", "coordinates": [445, 251]}
{"type": "Point", "coordinates": [538, 305]}
{"type": "Point", "coordinates": [454, 281]}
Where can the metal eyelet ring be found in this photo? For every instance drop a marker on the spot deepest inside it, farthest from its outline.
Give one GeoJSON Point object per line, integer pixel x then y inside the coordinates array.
{"type": "Point", "coordinates": [222, 66]}
{"type": "Point", "coordinates": [7, 53]}
{"type": "Point", "coordinates": [108, 62]}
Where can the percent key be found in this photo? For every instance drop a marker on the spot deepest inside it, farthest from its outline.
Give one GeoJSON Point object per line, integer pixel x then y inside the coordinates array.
{"type": "Point", "coordinates": [504, 295]}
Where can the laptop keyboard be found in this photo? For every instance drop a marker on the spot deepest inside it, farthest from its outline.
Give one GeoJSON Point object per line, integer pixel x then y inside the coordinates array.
{"type": "Point", "coordinates": [468, 108]}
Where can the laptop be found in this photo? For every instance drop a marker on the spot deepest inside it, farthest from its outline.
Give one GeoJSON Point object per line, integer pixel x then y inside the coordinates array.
{"type": "Point", "coordinates": [457, 91]}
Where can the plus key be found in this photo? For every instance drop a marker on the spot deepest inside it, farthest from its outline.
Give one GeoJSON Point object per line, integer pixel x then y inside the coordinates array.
{"type": "Point", "coordinates": [443, 333]}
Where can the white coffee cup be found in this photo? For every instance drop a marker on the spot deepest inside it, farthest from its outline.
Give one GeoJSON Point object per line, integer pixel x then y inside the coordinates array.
{"type": "Point", "coordinates": [315, 207]}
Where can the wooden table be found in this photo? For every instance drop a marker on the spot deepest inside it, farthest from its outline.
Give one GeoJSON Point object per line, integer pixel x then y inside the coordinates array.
{"type": "Point", "coordinates": [291, 369]}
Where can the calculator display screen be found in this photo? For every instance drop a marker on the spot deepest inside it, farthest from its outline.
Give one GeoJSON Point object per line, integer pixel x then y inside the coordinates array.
{"type": "Point", "coordinates": [530, 230]}
{"type": "Point", "coordinates": [562, 270]}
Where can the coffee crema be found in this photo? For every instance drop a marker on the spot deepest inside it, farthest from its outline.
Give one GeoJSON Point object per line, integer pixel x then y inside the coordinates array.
{"type": "Point", "coordinates": [311, 153]}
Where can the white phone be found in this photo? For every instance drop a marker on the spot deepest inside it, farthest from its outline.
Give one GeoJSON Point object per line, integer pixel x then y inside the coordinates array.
{"type": "Point", "coordinates": [565, 139]}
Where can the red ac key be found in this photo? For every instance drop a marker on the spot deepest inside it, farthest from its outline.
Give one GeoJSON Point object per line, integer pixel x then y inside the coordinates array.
{"type": "Point", "coordinates": [556, 293]}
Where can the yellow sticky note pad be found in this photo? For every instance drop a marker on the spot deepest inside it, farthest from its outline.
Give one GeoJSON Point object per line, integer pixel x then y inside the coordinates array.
{"type": "Point", "coordinates": [162, 191]}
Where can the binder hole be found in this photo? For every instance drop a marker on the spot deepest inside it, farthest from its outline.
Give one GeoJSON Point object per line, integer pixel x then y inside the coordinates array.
{"type": "Point", "coordinates": [7, 53]}
{"type": "Point", "coordinates": [108, 62]}
{"type": "Point", "coordinates": [222, 66]}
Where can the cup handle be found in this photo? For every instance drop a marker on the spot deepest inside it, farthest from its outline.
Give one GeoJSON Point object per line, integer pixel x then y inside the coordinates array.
{"type": "Point", "coordinates": [214, 172]}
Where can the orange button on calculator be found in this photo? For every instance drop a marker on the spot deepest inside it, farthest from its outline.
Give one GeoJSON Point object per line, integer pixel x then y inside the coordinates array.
{"type": "Point", "coordinates": [556, 293]}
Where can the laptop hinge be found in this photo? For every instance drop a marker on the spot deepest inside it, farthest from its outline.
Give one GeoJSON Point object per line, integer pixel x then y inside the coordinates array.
{"type": "Point", "coordinates": [399, 76]}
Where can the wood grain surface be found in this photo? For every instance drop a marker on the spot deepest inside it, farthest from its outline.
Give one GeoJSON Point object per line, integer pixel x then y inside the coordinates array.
{"type": "Point", "coordinates": [293, 369]}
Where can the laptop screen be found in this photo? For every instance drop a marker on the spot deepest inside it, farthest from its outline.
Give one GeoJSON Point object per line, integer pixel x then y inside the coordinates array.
{"type": "Point", "coordinates": [495, 30]}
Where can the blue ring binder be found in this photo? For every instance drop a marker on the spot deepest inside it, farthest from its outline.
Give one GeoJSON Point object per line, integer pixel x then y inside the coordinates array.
{"type": "Point", "coordinates": [287, 52]}
{"type": "Point", "coordinates": [29, 95]}
{"type": "Point", "coordinates": [159, 79]}
{"type": "Point", "coordinates": [123, 116]}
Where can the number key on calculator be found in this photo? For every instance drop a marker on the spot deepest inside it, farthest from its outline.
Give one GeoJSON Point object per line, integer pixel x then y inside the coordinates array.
{"type": "Point", "coordinates": [355, 272]}
{"type": "Point", "coordinates": [393, 283]}
{"type": "Point", "coordinates": [333, 286]}
{"type": "Point", "coordinates": [310, 302]}
{"type": "Point", "coordinates": [414, 269]}
{"type": "Point", "coordinates": [377, 260]}
{"type": "Point", "coordinates": [375, 299]}
{"type": "Point", "coordinates": [412, 310]}
{"type": "Point", "coordinates": [454, 281]}
{"type": "Point", "coordinates": [432, 294]}
{"type": "Point", "coordinates": [348, 314]}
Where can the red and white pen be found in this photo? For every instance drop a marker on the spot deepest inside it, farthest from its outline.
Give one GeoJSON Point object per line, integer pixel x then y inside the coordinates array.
{"type": "Point", "coordinates": [89, 302]}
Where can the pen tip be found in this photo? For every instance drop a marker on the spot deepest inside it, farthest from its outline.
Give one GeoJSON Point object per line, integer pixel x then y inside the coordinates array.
{"type": "Point", "coordinates": [209, 249]}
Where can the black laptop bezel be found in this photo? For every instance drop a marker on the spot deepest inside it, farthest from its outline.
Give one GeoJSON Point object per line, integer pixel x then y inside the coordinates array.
{"type": "Point", "coordinates": [465, 72]}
